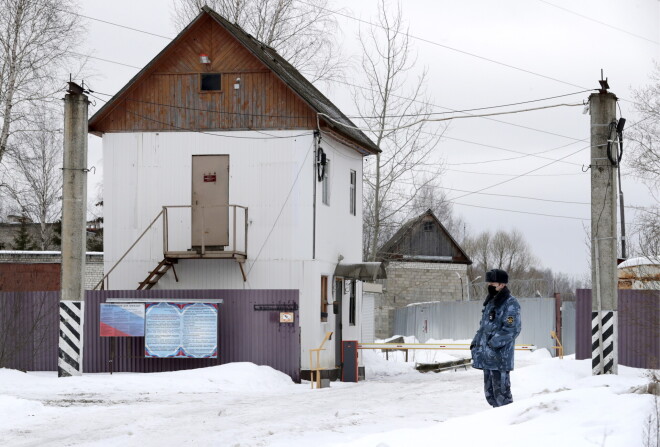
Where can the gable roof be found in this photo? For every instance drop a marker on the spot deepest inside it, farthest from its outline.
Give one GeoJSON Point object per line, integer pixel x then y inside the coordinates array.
{"type": "Point", "coordinates": [278, 65]}
{"type": "Point", "coordinates": [385, 251]}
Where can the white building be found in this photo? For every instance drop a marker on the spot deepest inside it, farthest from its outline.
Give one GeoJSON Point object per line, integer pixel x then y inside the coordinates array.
{"type": "Point", "coordinates": [231, 138]}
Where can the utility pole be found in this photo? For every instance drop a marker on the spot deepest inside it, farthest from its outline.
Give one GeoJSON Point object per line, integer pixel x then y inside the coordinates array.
{"type": "Point", "coordinates": [604, 354]}
{"type": "Point", "coordinates": [74, 210]}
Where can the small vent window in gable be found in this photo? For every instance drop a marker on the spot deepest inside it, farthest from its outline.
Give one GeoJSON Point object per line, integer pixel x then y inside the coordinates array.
{"type": "Point", "coordinates": [210, 82]}
{"type": "Point", "coordinates": [428, 226]}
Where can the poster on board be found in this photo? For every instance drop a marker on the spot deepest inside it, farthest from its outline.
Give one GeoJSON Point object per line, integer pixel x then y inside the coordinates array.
{"type": "Point", "coordinates": [186, 330]}
{"type": "Point", "coordinates": [122, 320]}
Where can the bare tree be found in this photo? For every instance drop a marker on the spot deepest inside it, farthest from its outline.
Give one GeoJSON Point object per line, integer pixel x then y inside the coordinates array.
{"type": "Point", "coordinates": [304, 33]}
{"type": "Point", "coordinates": [643, 158]}
{"type": "Point", "coordinates": [36, 39]}
{"type": "Point", "coordinates": [505, 250]}
{"type": "Point", "coordinates": [35, 183]}
{"type": "Point", "coordinates": [394, 116]}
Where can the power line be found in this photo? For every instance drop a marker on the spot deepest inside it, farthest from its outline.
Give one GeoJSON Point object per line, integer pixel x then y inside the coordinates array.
{"type": "Point", "coordinates": [307, 117]}
{"type": "Point", "coordinates": [104, 60]}
{"type": "Point", "coordinates": [512, 175]}
{"type": "Point", "coordinates": [446, 119]}
{"type": "Point", "coordinates": [426, 103]}
{"type": "Point", "coordinates": [476, 109]}
{"type": "Point", "coordinates": [421, 39]}
{"type": "Point", "coordinates": [536, 154]}
{"type": "Point", "coordinates": [536, 169]}
{"type": "Point", "coordinates": [115, 24]}
{"type": "Point", "coordinates": [520, 212]}
{"type": "Point", "coordinates": [599, 22]}
{"type": "Point", "coordinates": [521, 175]}
{"type": "Point", "coordinates": [525, 197]}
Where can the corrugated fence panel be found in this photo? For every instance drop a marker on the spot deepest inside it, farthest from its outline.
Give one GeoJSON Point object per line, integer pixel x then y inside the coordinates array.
{"type": "Point", "coordinates": [583, 324]}
{"type": "Point", "coordinates": [638, 327]}
{"type": "Point", "coordinates": [568, 327]}
{"type": "Point", "coordinates": [29, 330]}
{"type": "Point", "coordinates": [404, 321]}
{"type": "Point", "coordinates": [460, 320]}
{"type": "Point", "coordinates": [244, 334]}
{"type": "Point", "coordinates": [538, 319]}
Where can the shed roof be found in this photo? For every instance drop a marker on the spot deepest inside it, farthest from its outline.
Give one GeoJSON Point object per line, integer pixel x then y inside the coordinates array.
{"type": "Point", "coordinates": [407, 227]}
{"type": "Point", "coordinates": [279, 66]}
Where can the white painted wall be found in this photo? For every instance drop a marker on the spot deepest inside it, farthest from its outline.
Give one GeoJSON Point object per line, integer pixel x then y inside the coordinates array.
{"type": "Point", "coordinates": [145, 171]}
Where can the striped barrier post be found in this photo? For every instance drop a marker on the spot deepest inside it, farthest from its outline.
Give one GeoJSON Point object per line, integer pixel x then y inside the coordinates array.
{"type": "Point", "coordinates": [604, 351]}
{"type": "Point", "coordinates": [70, 346]}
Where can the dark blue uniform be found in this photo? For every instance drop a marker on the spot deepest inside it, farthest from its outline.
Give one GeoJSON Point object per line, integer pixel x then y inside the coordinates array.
{"type": "Point", "coordinates": [493, 345]}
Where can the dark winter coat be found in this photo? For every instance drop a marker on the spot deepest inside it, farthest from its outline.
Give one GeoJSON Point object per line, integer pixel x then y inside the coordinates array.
{"type": "Point", "coordinates": [493, 345]}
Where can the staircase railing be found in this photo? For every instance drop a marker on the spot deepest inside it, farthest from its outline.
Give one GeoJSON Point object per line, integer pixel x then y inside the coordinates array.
{"type": "Point", "coordinates": [164, 214]}
{"type": "Point", "coordinates": [127, 251]}
{"type": "Point", "coordinates": [234, 247]}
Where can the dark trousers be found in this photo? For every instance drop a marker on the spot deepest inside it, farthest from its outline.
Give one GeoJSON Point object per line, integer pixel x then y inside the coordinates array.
{"type": "Point", "coordinates": [497, 387]}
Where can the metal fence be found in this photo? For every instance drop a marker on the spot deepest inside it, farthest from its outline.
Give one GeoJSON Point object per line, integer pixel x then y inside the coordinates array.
{"type": "Point", "coordinates": [249, 330]}
{"type": "Point", "coordinates": [568, 327]}
{"type": "Point", "coordinates": [638, 327]}
{"type": "Point", "coordinates": [459, 320]}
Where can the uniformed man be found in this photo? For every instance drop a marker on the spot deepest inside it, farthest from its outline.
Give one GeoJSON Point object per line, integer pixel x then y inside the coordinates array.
{"type": "Point", "coordinates": [493, 345]}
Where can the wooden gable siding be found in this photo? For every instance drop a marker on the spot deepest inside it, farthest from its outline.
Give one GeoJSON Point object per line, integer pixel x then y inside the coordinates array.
{"type": "Point", "coordinates": [168, 96]}
{"type": "Point", "coordinates": [419, 242]}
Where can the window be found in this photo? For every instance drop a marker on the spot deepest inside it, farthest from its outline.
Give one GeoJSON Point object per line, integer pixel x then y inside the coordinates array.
{"type": "Point", "coordinates": [325, 188]}
{"type": "Point", "coordinates": [210, 82]}
{"type": "Point", "coordinates": [324, 298]}
{"type": "Point", "coordinates": [428, 226]}
{"type": "Point", "coordinates": [351, 309]}
{"type": "Point", "coordinates": [353, 207]}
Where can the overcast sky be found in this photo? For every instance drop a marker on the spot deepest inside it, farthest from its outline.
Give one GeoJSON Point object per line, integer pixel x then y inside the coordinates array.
{"type": "Point", "coordinates": [535, 49]}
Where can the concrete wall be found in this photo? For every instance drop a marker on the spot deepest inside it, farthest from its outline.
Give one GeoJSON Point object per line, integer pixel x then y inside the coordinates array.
{"type": "Point", "coordinates": [27, 271]}
{"type": "Point", "coordinates": [416, 282]}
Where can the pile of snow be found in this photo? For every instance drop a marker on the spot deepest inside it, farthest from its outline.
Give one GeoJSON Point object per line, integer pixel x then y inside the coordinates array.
{"type": "Point", "coordinates": [556, 402]}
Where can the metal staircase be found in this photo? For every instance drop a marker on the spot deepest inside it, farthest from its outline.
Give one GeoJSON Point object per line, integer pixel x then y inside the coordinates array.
{"type": "Point", "coordinates": [154, 276]}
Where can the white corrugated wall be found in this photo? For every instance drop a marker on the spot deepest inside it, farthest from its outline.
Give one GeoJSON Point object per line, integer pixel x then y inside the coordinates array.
{"type": "Point", "coordinates": [367, 313]}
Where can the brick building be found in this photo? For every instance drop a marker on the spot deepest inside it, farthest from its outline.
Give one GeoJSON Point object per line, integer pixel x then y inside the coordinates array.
{"type": "Point", "coordinates": [424, 264]}
{"type": "Point", "coordinates": [40, 271]}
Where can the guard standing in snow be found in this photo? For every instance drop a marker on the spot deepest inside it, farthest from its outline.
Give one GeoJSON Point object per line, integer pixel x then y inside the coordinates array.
{"type": "Point", "coordinates": [493, 345]}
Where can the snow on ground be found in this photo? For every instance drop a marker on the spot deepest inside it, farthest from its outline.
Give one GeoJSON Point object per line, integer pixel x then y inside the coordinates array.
{"type": "Point", "coordinates": [556, 402]}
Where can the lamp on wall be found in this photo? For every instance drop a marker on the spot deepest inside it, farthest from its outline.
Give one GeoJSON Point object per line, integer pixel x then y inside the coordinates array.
{"type": "Point", "coordinates": [204, 59]}
{"type": "Point", "coordinates": [321, 161]}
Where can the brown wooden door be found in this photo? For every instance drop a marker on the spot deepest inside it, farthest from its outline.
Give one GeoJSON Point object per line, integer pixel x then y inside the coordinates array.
{"type": "Point", "coordinates": [210, 201]}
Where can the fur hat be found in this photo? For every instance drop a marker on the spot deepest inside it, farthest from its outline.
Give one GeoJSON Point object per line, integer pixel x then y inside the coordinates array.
{"type": "Point", "coordinates": [497, 275]}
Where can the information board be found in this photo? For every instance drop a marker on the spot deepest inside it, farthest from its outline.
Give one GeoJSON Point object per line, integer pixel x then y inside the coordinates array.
{"type": "Point", "coordinates": [122, 320]}
{"type": "Point", "coordinates": [188, 330]}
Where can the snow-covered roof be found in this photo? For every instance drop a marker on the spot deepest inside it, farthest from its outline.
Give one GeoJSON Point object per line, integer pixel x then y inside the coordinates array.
{"type": "Point", "coordinates": [642, 260]}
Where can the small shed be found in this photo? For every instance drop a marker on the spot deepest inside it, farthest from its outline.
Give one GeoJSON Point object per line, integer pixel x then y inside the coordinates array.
{"type": "Point", "coordinates": [424, 264]}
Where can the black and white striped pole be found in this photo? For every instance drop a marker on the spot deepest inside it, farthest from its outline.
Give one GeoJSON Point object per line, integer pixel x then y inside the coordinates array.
{"type": "Point", "coordinates": [74, 210]}
{"type": "Point", "coordinates": [604, 350]}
